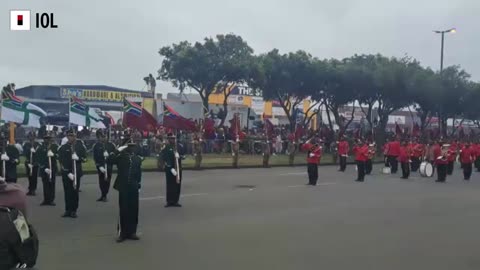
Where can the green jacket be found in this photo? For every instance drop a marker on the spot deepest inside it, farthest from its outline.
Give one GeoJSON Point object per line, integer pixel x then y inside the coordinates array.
{"type": "Point", "coordinates": [129, 171]}
{"type": "Point", "coordinates": [42, 156]}
{"type": "Point", "coordinates": [65, 153]}
{"type": "Point", "coordinates": [98, 153]}
{"type": "Point", "coordinates": [11, 164]}
{"type": "Point", "coordinates": [26, 151]}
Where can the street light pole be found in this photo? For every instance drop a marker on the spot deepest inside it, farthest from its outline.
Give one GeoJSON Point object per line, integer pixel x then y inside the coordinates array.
{"type": "Point", "coordinates": [441, 54]}
{"type": "Point", "coordinates": [452, 30]}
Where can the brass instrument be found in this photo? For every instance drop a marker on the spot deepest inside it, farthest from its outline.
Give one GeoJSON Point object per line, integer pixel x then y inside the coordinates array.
{"type": "Point", "coordinates": [445, 152]}
{"type": "Point", "coordinates": [371, 151]}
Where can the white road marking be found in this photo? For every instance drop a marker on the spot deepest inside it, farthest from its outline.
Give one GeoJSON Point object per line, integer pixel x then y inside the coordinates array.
{"type": "Point", "coordinates": [163, 197]}
{"type": "Point", "coordinates": [318, 184]}
{"type": "Point", "coordinates": [298, 173]}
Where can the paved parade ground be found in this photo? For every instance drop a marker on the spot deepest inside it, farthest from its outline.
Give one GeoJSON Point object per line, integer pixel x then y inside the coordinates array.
{"type": "Point", "coordinates": [268, 219]}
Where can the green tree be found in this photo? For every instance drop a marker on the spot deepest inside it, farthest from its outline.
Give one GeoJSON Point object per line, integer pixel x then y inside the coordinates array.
{"type": "Point", "coordinates": [203, 67]}
{"type": "Point", "coordinates": [455, 84]}
{"type": "Point", "coordinates": [285, 78]}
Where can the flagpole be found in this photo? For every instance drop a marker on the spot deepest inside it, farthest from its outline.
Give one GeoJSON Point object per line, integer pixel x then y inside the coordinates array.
{"type": "Point", "coordinates": [69, 109]}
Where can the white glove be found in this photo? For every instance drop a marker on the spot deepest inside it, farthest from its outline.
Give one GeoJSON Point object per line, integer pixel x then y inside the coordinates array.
{"type": "Point", "coordinates": [233, 154]}
{"type": "Point", "coordinates": [312, 154]}
{"type": "Point", "coordinates": [5, 157]}
{"type": "Point", "coordinates": [71, 176]}
{"type": "Point", "coordinates": [121, 148]}
{"type": "Point", "coordinates": [75, 157]}
{"type": "Point", "coordinates": [173, 171]}
{"type": "Point", "coordinates": [32, 150]}
{"type": "Point", "coordinates": [48, 171]}
{"type": "Point", "coordinates": [105, 154]}
{"type": "Point", "coordinates": [30, 166]}
{"type": "Point", "coordinates": [2, 178]}
{"type": "Point", "coordinates": [50, 153]}
{"type": "Point", "coordinates": [177, 156]}
{"type": "Point", "coordinates": [102, 169]}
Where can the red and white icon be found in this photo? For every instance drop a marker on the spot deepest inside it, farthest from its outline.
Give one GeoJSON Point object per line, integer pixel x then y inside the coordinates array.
{"type": "Point", "coordinates": [20, 20]}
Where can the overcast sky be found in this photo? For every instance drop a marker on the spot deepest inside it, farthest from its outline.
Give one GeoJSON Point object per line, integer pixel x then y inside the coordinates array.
{"type": "Point", "coordinates": [116, 43]}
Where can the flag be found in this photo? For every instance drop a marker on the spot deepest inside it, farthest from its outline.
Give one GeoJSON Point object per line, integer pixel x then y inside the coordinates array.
{"type": "Point", "coordinates": [108, 119]}
{"type": "Point", "coordinates": [416, 130]}
{"type": "Point", "coordinates": [136, 117]}
{"type": "Point", "coordinates": [357, 134]}
{"type": "Point", "coordinates": [82, 115]}
{"type": "Point", "coordinates": [269, 128]}
{"type": "Point", "coordinates": [15, 109]}
{"type": "Point", "coordinates": [132, 108]}
{"type": "Point", "coordinates": [398, 130]}
{"type": "Point", "coordinates": [461, 133]}
{"type": "Point", "coordinates": [173, 120]}
{"type": "Point", "coordinates": [234, 126]}
{"type": "Point", "coordinates": [299, 131]}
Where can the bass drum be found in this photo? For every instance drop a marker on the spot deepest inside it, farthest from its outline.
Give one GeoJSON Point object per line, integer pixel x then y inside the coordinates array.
{"type": "Point", "coordinates": [426, 169]}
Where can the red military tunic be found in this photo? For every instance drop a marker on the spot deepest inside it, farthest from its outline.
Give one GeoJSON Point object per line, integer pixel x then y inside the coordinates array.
{"type": "Point", "coordinates": [361, 153]}
{"type": "Point", "coordinates": [343, 148]}
{"type": "Point", "coordinates": [314, 153]}
{"type": "Point", "coordinates": [467, 155]}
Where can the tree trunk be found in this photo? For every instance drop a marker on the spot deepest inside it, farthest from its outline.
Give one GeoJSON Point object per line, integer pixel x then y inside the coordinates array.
{"type": "Point", "coordinates": [225, 112]}
{"type": "Point", "coordinates": [328, 117]}
{"type": "Point", "coordinates": [380, 134]}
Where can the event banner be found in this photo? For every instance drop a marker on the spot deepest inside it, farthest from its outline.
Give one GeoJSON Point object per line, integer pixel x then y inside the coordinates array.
{"type": "Point", "coordinates": [97, 95]}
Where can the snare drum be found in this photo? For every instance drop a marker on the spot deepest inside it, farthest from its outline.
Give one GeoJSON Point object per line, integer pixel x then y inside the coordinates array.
{"type": "Point", "coordinates": [426, 169]}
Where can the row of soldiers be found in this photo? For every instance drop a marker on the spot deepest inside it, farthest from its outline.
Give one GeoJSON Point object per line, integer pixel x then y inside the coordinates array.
{"type": "Point", "coordinates": [47, 159]}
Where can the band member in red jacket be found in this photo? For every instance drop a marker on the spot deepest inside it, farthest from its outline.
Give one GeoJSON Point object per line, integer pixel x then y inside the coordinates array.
{"type": "Point", "coordinates": [452, 156]}
{"type": "Point", "coordinates": [476, 148]}
{"type": "Point", "coordinates": [361, 155]}
{"type": "Point", "coordinates": [467, 157]}
{"type": "Point", "coordinates": [343, 149]}
{"type": "Point", "coordinates": [314, 154]}
{"type": "Point", "coordinates": [441, 162]}
{"type": "Point", "coordinates": [404, 159]}
{"type": "Point", "coordinates": [417, 153]}
{"type": "Point", "coordinates": [392, 155]}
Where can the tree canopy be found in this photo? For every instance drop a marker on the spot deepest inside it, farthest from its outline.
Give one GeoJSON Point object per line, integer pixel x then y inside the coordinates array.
{"type": "Point", "coordinates": [377, 83]}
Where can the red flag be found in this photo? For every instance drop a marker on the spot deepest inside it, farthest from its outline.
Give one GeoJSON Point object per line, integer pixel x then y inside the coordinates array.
{"type": "Point", "coordinates": [356, 135]}
{"type": "Point", "coordinates": [269, 128]}
{"type": "Point", "coordinates": [416, 130]}
{"type": "Point", "coordinates": [234, 126]}
{"type": "Point", "coordinates": [299, 131]}
{"type": "Point", "coordinates": [173, 120]}
{"type": "Point", "coordinates": [398, 130]}
{"type": "Point", "coordinates": [143, 122]}
{"type": "Point", "coordinates": [461, 133]}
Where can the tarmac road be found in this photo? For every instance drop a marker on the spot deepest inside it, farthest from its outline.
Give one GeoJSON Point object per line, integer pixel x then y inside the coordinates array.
{"type": "Point", "coordinates": [268, 219]}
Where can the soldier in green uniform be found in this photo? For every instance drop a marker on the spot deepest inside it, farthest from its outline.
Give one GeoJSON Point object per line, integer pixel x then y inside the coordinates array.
{"type": "Point", "coordinates": [292, 149]}
{"type": "Point", "coordinates": [47, 163]}
{"type": "Point", "coordinates": [235, 145]}
{"type": "Point", "coordinates": [9, 159]}
{"type": "Point", "coordinates": [197, 150]}
{"type": "Point", "coordinates": [173, 154]}
{"type": "Point", "coordinates": [101, 153]}
{"type": "Point", "coordinates": [71, 155]}
{"type": "Point", "coordinates": [128, 184]}
{"type": "Point", "coordinates": [266, 153]}
{"type": "Point", "coordinates": [31, 165]}
{"type": "Point", "coordinates": [158, 149]}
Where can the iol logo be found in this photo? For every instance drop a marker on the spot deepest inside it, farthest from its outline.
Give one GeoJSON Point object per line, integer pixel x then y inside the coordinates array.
{"type": "Point", "coordinates": [20, 20]}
